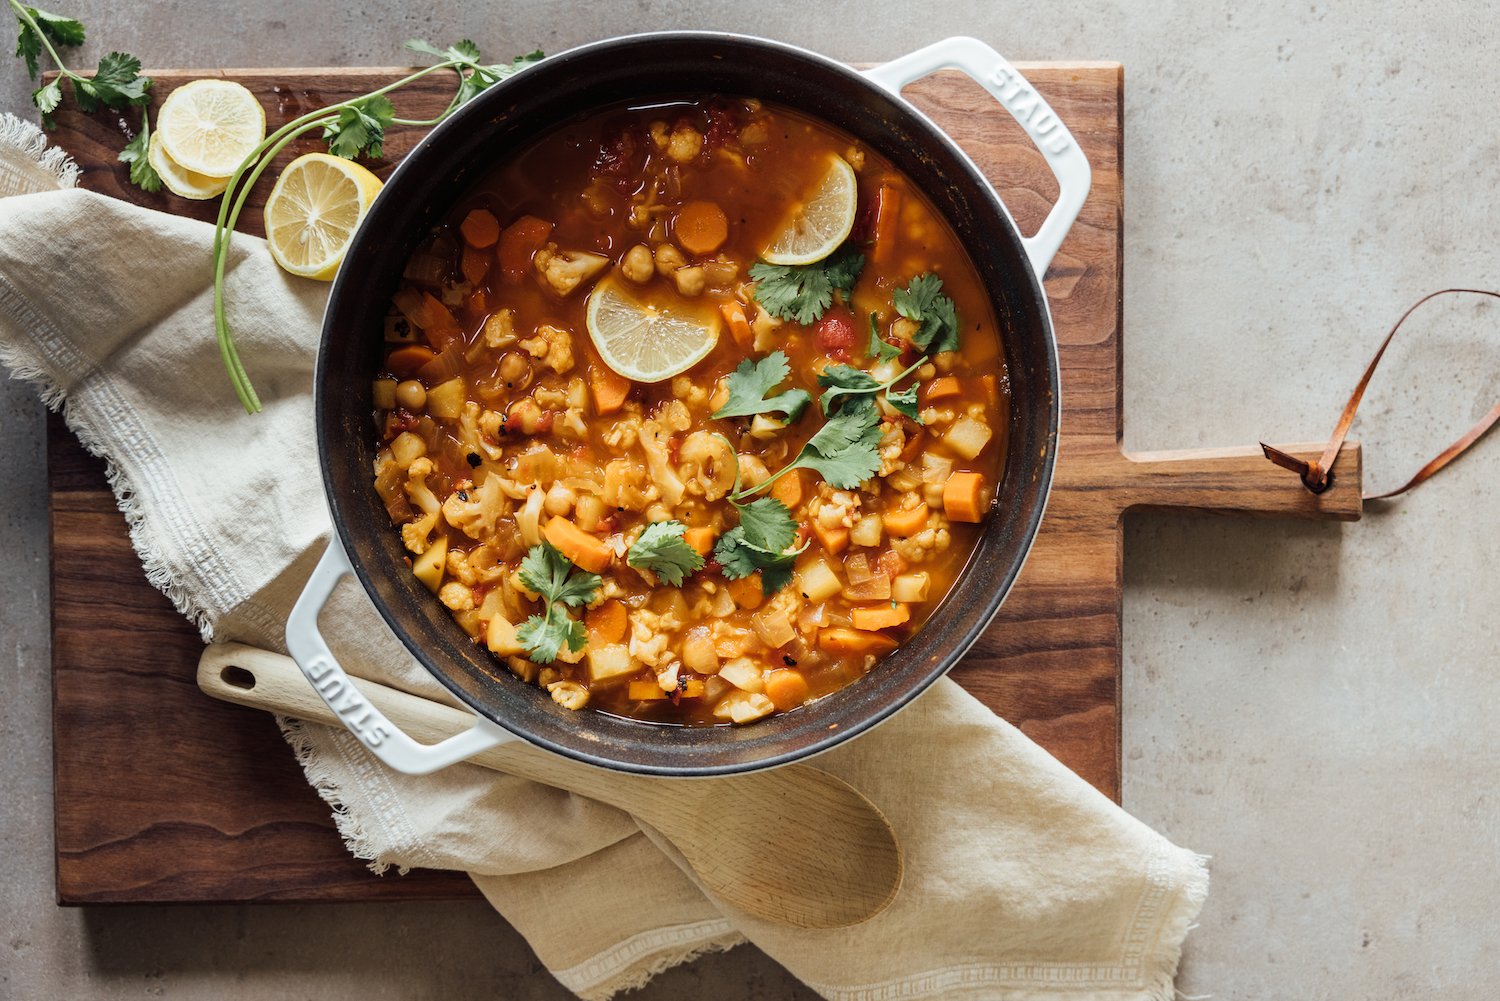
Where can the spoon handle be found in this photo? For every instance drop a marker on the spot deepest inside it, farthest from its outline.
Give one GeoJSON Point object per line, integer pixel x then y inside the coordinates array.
{"type": "Point", "coordinates": [836, 861]}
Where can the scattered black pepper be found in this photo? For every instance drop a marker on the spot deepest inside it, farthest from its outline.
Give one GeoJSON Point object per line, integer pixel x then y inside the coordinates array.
{"type": "Point", "coordinates": [473, 459]}
{"type": "Point", "coordinates": [463, 495]}
{"type": "Point", "coordinates": [789, 660]}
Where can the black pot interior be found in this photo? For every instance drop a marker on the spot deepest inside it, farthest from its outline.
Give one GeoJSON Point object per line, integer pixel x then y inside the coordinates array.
{"type": "Point", "coordinates": [507, 118]}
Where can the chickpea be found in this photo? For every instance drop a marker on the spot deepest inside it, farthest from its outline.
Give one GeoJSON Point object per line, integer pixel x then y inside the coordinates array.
{"type": "Point", "coordinates": [590, 511]}
{"type": "Point", "coordinates": [927, 371]}
{"type": "Point", "coordinates": [636, 264]}
{"type": "Point", "coordinates": [524, 416]}
{"type": "Point", "coordinates": [721, 394]}
{"type": "Point", "coordinates": [669, 259]}
{"type": "Point", "coordinates": [411, 395]}
{"type": "Point", "coordinates": [515, 370]}
{"type": "Point", "coordinates": [685, 144]}
{"type": "Point", "coordinates": [690, 281]}
{"type": "Point", "coordinates": [559, 500]}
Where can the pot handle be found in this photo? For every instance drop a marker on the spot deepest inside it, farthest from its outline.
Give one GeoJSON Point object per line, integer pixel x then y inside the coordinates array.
{"type": "Point", "coordinates": [989, 69]}
{"type": "Point", "coordinates": [388, 743]}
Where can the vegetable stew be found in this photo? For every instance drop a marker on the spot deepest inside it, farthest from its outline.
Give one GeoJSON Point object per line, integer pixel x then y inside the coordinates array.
{"type": "Point", "coordinates": [691, 412]}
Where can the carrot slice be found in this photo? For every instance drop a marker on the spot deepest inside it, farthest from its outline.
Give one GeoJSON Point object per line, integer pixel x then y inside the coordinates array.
{"type": "Point", "coordinates": [475, 264]}
{"type": "Point", "coordinates": [437, 322]}
{"type": "Point", "coordinates": [404, 362]}
{"type": "Point", "coordinates": [734, 315]}
{"type": "Point", "coordinates": [835, 540]}
{"type": "Point", "coordinates": [518, 244]}
{"type": "Point", "coordinates": [701, 227]}
{"type": "Point", "coordinates": [701, 539]}
{"type": "Point", "coordinates": [786, 688]}
{"type": "Point", "coordinates": [846, 641]}
{"type": "Point", "coordinates": [609, 389]}
{"type": "Point", "coordinates": [586, 551]}
{"type": "Point", "coordinates": [645, 691]}
{"type": "Point", "coordinates": [789, 489]}
{"type": "Point", "coordinates": [964, 497]}
{"type": "Point", "coordinates": [941, 388]}
{"type": "Point", "coordinates": [876, 617]}
{"type": "Point", "coordinates": [906, 523]}
{"type": "Point", "coordinates": [606, 624]}
{"type": "Point", "coordinates": [887, 208]}
{"type": "Point", "coordinates": [746, 591]}
{"type": "Point", "coordinates": [480, 229]}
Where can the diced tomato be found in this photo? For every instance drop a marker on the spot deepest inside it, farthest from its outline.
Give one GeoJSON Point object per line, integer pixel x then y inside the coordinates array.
{"type": "Point", "coordinates": [723, 124]}
{"type": "Point", "coordinates": [674, 446]}
{"type": "Point", "coordinates": [519, 242]}
{"type": "Point", "coordinates": [544, 422]}
{"type": "Point", "coordinates": [621, 156]}
{"type": "Point", "coordinates": [835, 330]}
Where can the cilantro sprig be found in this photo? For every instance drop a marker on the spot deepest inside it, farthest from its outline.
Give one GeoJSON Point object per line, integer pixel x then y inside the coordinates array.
{"type": "Point", "coordinates": [923, 302]}
{"type": "Point", "coordinates": [761, 541]}
{"type": "Point", "coordinates": [749, 383]}
{"type": "Point", "coordinates": [562, 586]}
{"type": "Point", "coordinates": [803, 292]}
{"type": "Point", "coordinates": [880, 349]}
{"type": "Point", "coordinates": [845, 452]}
{"type": "Point", "coordinates": [117, 82]}
{"type": "Point", "coordinates": [662, 550]}
{"type": "Point", "coordinates": [354, 127]}
{"type": "Point", "coordinates": [844, 384]}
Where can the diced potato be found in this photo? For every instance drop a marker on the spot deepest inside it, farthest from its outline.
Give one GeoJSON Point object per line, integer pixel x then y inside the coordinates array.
{"type": "Point", "coordinates": [910, 587]}
{"type": "Point", "coordinates": [744, 707]}
{"type": "Point", "coordinates": [429, 566]}
{"type": "Point", "coordinates": [407, 448]}
{"type": "Point", "coordinates": [698, 652]}
{"type": "Point", "coordinates": [967, 436]}
{"type": "Point", "coordinates": [446, 400]}
{"type": "Point", "coordinates": [876, 587]}
{"type": "Point", "coordinates": [867, 531]}
{"type": "Point", "coordinates": [383, 394]}
{"type": "Point", "coordinates": [744, 674]}
{"type": "Point", "coordinates": [936, 468]}
{"type": "Point", "coordinates": [500, 637]}
{"type": "Point", "coordinates": [818, 582]}
{"type": "Point", "coordinates": [609, 662]}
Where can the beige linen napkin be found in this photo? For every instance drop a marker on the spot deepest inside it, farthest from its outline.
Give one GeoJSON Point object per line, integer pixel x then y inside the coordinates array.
{"type": "Point", "coordinates": [1022, 881]}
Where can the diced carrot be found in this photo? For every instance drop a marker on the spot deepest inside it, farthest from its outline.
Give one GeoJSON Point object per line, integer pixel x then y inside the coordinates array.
{"type": "Point", "coordinates": [746, 591]}
{"type": "Point", "coordinates": [835, 540]}
{"type": "Point", "coordinates": [404, 362]}
{"type": "Point", "coordinates": [701, 227]}
{"type": "Point", "coordinates": [734, 315]}
{"type": "Point", "coordinates": [906, 523]}
{"type": "Point", "coordinates": [480, 229]}
{"type": "Point", "coordinates": [887, 209]}
{"type": "Point", "coordinates": [941, 388]}
{"type": "Point", "coordinates": [914, 444]}
{"type": "Point", "coordinates": [789, 489]}
{"type": "Point", "coordinates": [518, 243]}
{"type": "Point", "coordinates": [844, 641]}
{"type": "Point", "coordinates": [875, 617]}
{"type": "Point", "coordinates": [475, 264]}
{"type": "Point", "coordinates": [606, 623]}
{"type": "Point", "coordinates": [609, 389]}
{"type": "Point", "coordinates": [701, 539]}
{"type": "Point", "coordinates": [987, 388]}
{"type": "Point", "coordinates": [786, 688]}
{"type": "Point", "coordinates": [586, 551]}
{"type": "Point", "coordinates": [964, 497]}
{"type": "Point", "coordinates": [645, 691]}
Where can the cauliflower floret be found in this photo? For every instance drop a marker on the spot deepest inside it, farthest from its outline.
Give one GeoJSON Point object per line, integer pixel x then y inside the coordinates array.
{"type": "Point", "coordinates": [500, 330]}
{"type": "Point", "coordinates": [653, 438]}
{"type": "Point", "coordinates": [625, 486]}
{"type": "Point", "coordinates": [624, 433]}
{"type": "Point", "coordinates": [892, 442]}
{"type": "Point", "coordinates": [552, 346]}
{"type": "Point", "coordinates": [934, 539]}
{"type": "Point", "coordinates": [836, 508]}
{"type": "Point", "coordinates": [564, 271]}
{"type": "Point", "coordinates": [474, 512]}
{"type": "Point", "coordinates": [456, 596]}
{"type": "Point", "coordinates": [569, 694]}
{"type": "Point", "coordinates": [415, 535]}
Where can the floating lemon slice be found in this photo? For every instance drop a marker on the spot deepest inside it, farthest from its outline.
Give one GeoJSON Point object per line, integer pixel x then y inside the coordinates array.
{"type": "Point", "coordinates": [647, 342]}
{"type": "Point", "coordinates": [819, 225]}
{"type": "Point", "coordinates": [318, 202]}
{"type": "Point", "coordinates": [210, 126]}
{"type": "Point", "coordinates": [178, 179]}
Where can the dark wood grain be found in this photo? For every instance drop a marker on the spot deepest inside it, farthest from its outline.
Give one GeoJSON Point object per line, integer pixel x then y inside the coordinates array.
{"type": "Point", "coordinates": [214, 808]}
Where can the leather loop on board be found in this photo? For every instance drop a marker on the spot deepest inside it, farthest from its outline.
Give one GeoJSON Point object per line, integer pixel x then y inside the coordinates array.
{"type": "Point", "coordinates": [1316, 475]}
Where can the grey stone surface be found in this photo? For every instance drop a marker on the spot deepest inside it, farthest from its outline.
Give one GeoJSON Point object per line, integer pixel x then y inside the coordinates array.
{"type": "Point", "coordinates": [1308, 704]}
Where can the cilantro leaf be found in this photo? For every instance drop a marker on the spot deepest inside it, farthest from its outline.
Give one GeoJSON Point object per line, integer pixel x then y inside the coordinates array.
{"type": "Point", "coordinates": [47, 99]}
{"type": "Point", "coordinates": [118, 82]}
{"type": "Point", "coordinates": [661, 550]}
{"type": "Point", "coordinates": [768, 523]}
{"type": "Point", "coordinates": [142, 174]}
{"type": "Point", "coordinates": [846, 384]}
{"type": "Point", "coordinates": [561, 585]}
{"type": "Point", "coordinates": [803, 292]}
{"type": "Point", "coordinates": [752, 380]}
{"type": "Point", "coordinates": [880, 349]}
{"type": "Point", "coordinates": [360, 128]}
{"type": "Point", "coordinates": [59, 30]}
{"type": "Point", "coordinates": [923, 302]}
{"type": "Point", "coordinates": [905, 401]}
{"type": "Point", "coordinates": [760, 542]}
{"type": "Point", "coordinates": [846, 450]}
{"type": "Point", "coordinates": [474, 77]}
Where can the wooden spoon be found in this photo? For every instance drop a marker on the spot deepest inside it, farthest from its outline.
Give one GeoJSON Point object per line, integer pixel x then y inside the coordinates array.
{"type": "Point", "coordinates": [793, 844]}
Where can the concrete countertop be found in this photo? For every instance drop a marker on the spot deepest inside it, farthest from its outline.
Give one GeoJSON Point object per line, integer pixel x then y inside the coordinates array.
{"type": "Point", "coordinates": [1309, 704]}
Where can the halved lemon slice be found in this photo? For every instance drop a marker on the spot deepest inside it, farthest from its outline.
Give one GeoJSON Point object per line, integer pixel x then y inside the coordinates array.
{"type": "Point", "coordinates": [318, 202]}
{"type": "Point", "coordinates": [210, 126]}
{"type": "Point", "coordinates": [817, 226]}
{"type": "Point", "coordinates": [647, 341]}
{"type": "Point", "coordinates": [178, 179]}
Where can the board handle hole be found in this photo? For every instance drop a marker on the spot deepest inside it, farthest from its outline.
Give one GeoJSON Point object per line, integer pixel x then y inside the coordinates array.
{"type": "Point", "coordinates": [237, 677]}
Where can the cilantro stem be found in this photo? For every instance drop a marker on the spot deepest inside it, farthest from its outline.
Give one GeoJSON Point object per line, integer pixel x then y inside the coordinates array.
{"type": "Point", "coordinates": [30, 22]}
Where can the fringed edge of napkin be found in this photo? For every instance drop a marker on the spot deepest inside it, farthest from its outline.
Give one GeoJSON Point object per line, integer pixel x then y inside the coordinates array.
{"type": "Point", "coordinates": [31, 142]}
{"type": "Point", "coordinates": [319, 775]}
{"type": "Point", "coordinates": [636, 961]}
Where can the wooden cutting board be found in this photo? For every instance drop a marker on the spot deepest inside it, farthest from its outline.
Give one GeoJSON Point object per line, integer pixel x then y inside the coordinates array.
{"type": "Point", "coordinates": [213, 808]}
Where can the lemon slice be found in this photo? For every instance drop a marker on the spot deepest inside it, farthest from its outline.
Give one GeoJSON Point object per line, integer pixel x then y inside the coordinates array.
{"type": "Point", "coordinates": [648, 342]}
{"type": "Point", "coordinates": [318, 202]}
{"type": "Point", "coordinates": [178, 179]}
{"type": "Point", "coordinates": [210, 126]}
{"type": "Point", "coordinates": [817, 226]}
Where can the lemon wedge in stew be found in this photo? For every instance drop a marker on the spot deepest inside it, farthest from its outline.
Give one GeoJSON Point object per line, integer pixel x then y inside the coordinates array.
{"type": "Point", "coordinates": [648, 341]}
{"type": "Point", "coordinates": [178, 179]}
{"type": "Point", "coordinates": [318, 202]}
{"type": "Point", "coordinates": [210, 126]}
{"type": "Point", "coordinates": [817, 226]}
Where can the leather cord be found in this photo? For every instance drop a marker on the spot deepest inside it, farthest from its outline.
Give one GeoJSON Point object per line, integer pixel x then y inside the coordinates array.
{"type": "Point", "coordinates": [1316, 475]}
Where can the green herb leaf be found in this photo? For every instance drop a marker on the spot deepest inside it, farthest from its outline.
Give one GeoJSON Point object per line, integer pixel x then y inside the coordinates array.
{"type": "Point", "coordinates": [750, 382]}
{"type": "Point", "coordinates": [59, 30]}
{"type": "Point", "coordinates": [923, 302]}
{"type": "Point", "coordinates": [905, 401]}
{"type": "Point", "coordinates": [851, 386]}
{"type": "Point", "coordinates": [880, 349]}
{"type": "Point", "coordinates": [803, 292]}
{"type": "Point", "coordinates": [118, 82]}
{"type": "Point", "coordinates": [561, 585]}
{"type": "Point", "coordinates": [47, 99]}
{"type": "Point", "coordinates": [360, 128]}
{"type": "Point", "coordinates": [846, 450]}
{"type": "Point", "coordinates": [760, 542]}
{"type": "Point", "coordinates": [142, 174]}
{"type": "Point", "coordinates": [661, 550]}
